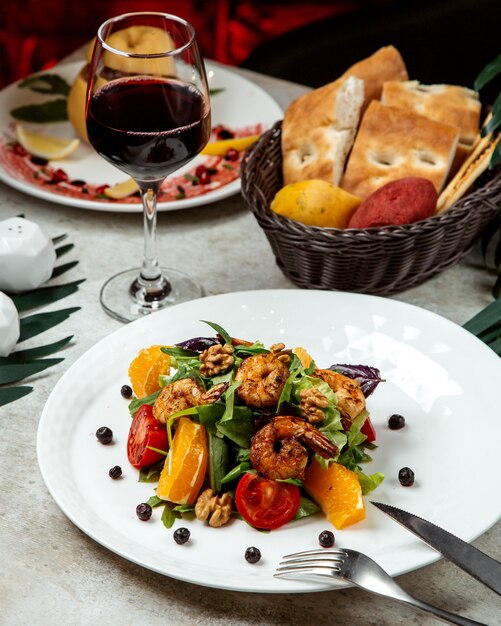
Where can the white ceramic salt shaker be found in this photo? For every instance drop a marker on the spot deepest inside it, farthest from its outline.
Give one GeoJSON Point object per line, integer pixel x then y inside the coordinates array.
{"type": "Point", "coordinates": [9, 325]}
{"type": "Point", "coordinates": [27, 255]}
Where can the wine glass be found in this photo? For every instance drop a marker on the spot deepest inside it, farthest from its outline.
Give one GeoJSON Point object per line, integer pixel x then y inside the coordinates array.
{"type": "Point", "coordinates": [147, 113]}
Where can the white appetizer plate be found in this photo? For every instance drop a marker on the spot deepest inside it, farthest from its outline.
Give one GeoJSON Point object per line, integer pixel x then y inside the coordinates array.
{"type": "Point", "coordinates": [437, 375]}
{"type": "Point", "coordinates": [239, 104]}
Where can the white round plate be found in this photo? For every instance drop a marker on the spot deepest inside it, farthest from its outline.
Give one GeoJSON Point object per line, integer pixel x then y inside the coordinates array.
{"type": "Point", "coordinates": [241, 104]}
{"type": "Point", "coordinates": [437, 375]}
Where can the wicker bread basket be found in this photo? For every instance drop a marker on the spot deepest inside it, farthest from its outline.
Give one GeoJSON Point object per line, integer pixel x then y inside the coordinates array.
{"type": "Point", "coordinates": [381, 261]}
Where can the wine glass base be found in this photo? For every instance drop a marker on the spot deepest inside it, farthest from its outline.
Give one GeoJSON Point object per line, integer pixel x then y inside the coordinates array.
{"type": "Point", "coordinates": [118, 302]}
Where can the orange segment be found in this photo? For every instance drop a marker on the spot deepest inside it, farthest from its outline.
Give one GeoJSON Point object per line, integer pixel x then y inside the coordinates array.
{"type": "Point", "coordinates": [338, 493]}
{"type": "Point", "coordinates": [145, 369]}
{"type": "Point", "coordinates": [189, 456]}
{"type": "Point", "coordinates": [304, 356]}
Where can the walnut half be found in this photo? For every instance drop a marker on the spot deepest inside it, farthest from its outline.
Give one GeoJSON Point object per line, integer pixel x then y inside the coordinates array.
{"type": "Point", "coordinates": [312, 403]}
{"type": "Point", "coordinates": [214, 509]}
{"type": "Point", "coordinates": [216, 359]}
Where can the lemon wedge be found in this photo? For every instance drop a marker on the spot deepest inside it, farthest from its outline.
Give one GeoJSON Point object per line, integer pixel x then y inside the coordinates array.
{"type": "Point", "coordinates": [220, 148]}
{"type": "Point", "coordinates": [121, 190]}
{"type": "Point", "coordinates": [45, 146]}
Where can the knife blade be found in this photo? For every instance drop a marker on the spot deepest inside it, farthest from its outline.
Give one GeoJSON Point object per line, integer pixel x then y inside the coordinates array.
{"type": "Point", "coordinates": [479, 565]}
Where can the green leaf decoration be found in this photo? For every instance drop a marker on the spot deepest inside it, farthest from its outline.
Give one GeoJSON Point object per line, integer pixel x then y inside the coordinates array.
{"type": "Point", "coordinates": [490, 71]}
{"type": "Point", "coordinates": [26, 356]}
{"type": "Point", "coordinates": [45, 295]}
{"type": "Point", "coordinates": [486, 325]}
{"type": "Point", "coordinates": [13, 372]}
{"type": "Point", "coordinates": [61, 269]}
{"type": "Point", "coordinates": [64, 249]}
{"type": "Point", "coordinates": [56, 240]}
{"type": "Point", "coordinates": [39, 322]}
{"type": "Point", "coordinates": [11, 394]}
{"type": "Point", "coordinates": [45, 113]}
{"type": "Point", "coordinates": [46, 83]}
{"type": "Point", "coordinates": [496, 156]}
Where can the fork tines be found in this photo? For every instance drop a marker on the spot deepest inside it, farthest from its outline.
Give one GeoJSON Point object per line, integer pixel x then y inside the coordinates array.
{"type": "Point", "coordinates": [311, 561]}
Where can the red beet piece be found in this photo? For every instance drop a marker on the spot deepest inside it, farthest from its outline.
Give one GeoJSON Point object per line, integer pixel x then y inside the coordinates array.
{"type": "Point", "coordinates": [402, 201]}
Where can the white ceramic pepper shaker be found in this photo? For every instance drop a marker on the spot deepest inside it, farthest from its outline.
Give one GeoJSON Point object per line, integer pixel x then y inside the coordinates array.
{"type": "Point", "coordinates": [27, 255]}
{"type": "Point", "coordinates": [9, 325]}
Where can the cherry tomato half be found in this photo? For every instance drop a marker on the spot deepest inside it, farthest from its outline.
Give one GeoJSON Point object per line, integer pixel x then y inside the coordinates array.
{"type": "Point", "coordinates": [266, 503]}
{"type": "Point", "coordinates": [145, 431]}
{"type": "Point", "coordinates": [368, 430]}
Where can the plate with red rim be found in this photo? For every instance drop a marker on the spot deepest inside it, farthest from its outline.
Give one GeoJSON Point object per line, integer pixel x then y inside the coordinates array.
{"type": "Point", "coordinates": [432, 368]}
{"type": "Point", "coordinates": [237, 104]}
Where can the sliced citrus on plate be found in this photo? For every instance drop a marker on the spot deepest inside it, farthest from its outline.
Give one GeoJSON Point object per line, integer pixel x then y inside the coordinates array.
{"type": "Point", "coordinates": [184, 471]}
{"type": "Point", "coordinates": [145, 370]}
{"type": "Point", "coordinates": [337, 491]}
{"type": "Point", "coordinates": [304, 356]}
{"type": "Point", "coordinates": [122, 190]}
{"type": "Point", "coordinates": [220, 148]}
{"type": "Point", "coordinates": [45, 146]}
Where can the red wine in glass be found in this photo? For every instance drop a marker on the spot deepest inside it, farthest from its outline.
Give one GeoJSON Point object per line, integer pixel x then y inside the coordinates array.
{"type": "Point", "coordinates": [148, 114]}
{"type": "Point", "coordinates": [148, 127]}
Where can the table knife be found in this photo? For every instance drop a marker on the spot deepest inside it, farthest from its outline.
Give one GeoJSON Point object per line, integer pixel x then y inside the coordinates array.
{"type": "Point", "coordinates": [482, 567]}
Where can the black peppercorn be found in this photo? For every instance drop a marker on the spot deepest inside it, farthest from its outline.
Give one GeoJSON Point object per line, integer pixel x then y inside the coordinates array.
{"type": "Point", "coordinates": [326, 539]}
{"type": "Point", "coordinates": [115, 472]}
{"type": "Point", "coordinates": [406, 477]}
{"type": "Point", "coordinates": [144, 511]}
{"type": "Point", "coordinates": [104, 435]}
{"type": "Point", "coordinates": [181, 535]}
{"type": "Point", "coordinates": [252, 555]}
{"type": "Point", "coordinates": [126, 391]}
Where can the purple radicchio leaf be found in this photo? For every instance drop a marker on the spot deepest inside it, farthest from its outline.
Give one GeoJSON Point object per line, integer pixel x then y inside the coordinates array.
{"type": "Point", "coordinates": [198, 344]}
{"type": "Point", "coordinates": [368, 377]}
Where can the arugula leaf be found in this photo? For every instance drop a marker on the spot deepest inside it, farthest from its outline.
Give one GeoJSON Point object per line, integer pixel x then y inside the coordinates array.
{"type": "Point", "coordinates": [137, 403]}
{"type": "Point", "coordinates": [151, 474]}
{"type": "Point", "coordinates": [168, 516]}
{"type": "Point", "coordinates": [45, 113]}
{"type": "Point", "coordinates": [239, 428]}
{"type": "Point", "coordinates": [296, 370]}
{"type": "Point", "coordinates": [256, 348]}
{"type": "Point", "coordinates": [220, 330]}
{"type": "Point", "coordinates": [218, 462]}
{"type": "Point", "coordinates": [306, 508]}
{"type": "Point", "coordinates": [155, 501]}
{"type": "Point", "coordinates": [209, 415]}
{"type": "Point", "coordinates": [369, 483]}
{"type": "Point", "coordinates": [236, 472]}
{"type": "Point", "coordinates": [46, 83]}
{"type": "Point", "coordinates": [179, 352]}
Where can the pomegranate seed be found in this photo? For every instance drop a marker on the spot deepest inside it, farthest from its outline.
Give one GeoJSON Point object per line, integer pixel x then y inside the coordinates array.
{"type": "Point", "coordinates": [204, 178]}
{"type": "Point", "coordinates": [223, 133]}
{"type": "Point", "coordinates": [59, 176]}
{"type": "Point", "coordinates": [200, 170]}
{"type": "Point", "coordinates": [19, 150]}
{"type": "Point", "coordinates": [100, 190]}
{"type": "Point", "coordinates": [231, 155]}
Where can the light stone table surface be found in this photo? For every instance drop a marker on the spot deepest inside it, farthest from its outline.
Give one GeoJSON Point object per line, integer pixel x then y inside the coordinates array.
{"type": "Point", "coordinates": [51, 573]}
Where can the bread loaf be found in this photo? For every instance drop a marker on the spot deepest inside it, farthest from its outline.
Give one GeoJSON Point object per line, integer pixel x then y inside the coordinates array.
{"type": "Point", "coordinates": [394, 143]}
{"type": "Point", "coordinates": [318, 131]}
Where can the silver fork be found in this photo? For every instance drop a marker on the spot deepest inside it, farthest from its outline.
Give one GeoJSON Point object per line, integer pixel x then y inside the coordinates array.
{"type": "Point", "coordinates": [362, 571]}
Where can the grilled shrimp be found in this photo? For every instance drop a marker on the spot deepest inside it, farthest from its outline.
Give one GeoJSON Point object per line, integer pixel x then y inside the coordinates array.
{"type": "Point", "coordinates": [183, 394]}
{"type": "Point", "coordinates": [277, 452]}
{"type": "Point", "coordinates": [262, 378]}
{"type": "Point", "coordinates": [350, 397]}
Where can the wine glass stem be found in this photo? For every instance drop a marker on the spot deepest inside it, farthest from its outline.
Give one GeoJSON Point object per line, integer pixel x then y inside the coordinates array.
{"type": "Point", "coordinates": [150, 270]}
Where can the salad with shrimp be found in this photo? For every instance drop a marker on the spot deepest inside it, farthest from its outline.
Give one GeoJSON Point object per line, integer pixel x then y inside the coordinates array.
{"type": "Point", "coordinates": [228, 428]}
